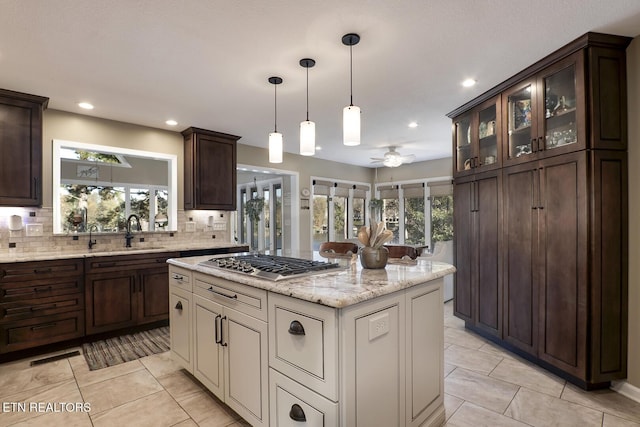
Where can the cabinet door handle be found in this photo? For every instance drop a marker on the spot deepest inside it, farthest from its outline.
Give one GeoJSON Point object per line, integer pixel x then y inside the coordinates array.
{"type": "Point", "coordinates": [47, 325]}
{"type": "Point", "coordinates": [540, 187]}
{"type": "Point", "coordinates": [297, 414]}
{"type": "Point", "coordinates": [234, 296]}
{"type": "Point", "coordinates": [296, 328]}
{"type": "Point", "coordinates": [179, 306]}
{"type": "Point", "coordinates": [541, 146]}
{"type": "Point", "coordinates": [534, 199]}
{"type": "Point", "coordinates": [222, 343]}
{"type": "Point", "coordinates": [215, 321]}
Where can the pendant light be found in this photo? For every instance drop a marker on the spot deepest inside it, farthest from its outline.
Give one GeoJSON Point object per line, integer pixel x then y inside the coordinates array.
{"type": "Point", "coordinates": [307, 128]}
{"type": "Point", "coordinates": [351, 113]}
{"type": "Point", "coordinates": [275, 138]}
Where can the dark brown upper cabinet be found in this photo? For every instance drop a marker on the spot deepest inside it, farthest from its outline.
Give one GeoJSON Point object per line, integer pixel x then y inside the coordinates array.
{"type": "Point", "coordinates": [209, 170]}
{"type": "Point", "coordinates": [477, 138]}
{"type": "Point", "coordinates": [21, 148]}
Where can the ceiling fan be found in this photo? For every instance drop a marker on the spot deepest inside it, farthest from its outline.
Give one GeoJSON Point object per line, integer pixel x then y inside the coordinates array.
{"type": "Point", "coordinates": [392, 158]}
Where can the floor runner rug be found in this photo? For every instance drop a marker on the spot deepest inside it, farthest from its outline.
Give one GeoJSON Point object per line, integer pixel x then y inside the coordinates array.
{"type": "Point", "coordinates": [112, 351]}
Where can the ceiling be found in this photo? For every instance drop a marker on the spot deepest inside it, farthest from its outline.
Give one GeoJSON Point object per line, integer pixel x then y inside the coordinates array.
{"type": "Point", "coordinates": [206, 63]}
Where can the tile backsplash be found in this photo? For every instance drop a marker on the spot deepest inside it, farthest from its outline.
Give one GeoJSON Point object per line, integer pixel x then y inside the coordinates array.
{"type": "Point", "coordinates": [37, 235]}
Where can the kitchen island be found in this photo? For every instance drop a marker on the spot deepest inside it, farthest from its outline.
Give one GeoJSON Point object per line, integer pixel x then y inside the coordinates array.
{"type": "Point", "coordinates": [346, 347]}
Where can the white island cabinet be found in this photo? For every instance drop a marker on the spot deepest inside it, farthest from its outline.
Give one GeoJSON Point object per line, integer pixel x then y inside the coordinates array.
{"type": "Point", "coordinates": [350, 348]}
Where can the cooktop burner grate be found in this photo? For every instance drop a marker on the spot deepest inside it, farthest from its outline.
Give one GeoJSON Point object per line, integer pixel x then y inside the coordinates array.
{"type": "Point", "coordinates": [270, 267]}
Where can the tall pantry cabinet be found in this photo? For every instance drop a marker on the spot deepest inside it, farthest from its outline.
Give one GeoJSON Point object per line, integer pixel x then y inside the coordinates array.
{"type": "Point", "coordinates": [547, 212]}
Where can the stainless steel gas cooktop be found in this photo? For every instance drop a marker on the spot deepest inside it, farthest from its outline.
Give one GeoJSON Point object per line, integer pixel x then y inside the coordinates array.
{"type": "Point", "coordinates": [270, 267]}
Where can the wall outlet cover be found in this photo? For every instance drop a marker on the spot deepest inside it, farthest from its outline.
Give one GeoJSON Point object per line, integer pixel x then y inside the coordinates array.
{"type": "Point", "coordinates": [190, 226]}
{"type": "Point", "coordinates": [34, 230]}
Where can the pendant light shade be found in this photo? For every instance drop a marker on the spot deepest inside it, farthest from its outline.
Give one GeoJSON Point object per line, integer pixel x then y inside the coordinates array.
{"type": "Point", "coordinates": [307, 138]}
{"type": "Point", "coordinates": [351, 113]}
{"type": "Point", "coordinates": [276, 146]}
{"type": "Point", "coordinates": [307, 127]}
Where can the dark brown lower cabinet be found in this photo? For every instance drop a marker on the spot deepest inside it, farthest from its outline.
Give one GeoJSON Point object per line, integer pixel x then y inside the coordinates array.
{"type": "Point", "coordinates": [478, 283]}
{"type": "Point", "coordinates": [124, 291]}
{"type": "Point", "coordinates": [41, 302]}
{"type": "Point", "coordinates": [564, 288]}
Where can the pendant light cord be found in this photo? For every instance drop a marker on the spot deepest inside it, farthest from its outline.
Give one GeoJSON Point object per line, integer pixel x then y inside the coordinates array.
{"type": "Point", "coordinates": [351, 73]}
{"type": "Point", "coordinates": [307, 93]}
{"type": "Point", "coordinates": [275, 108]}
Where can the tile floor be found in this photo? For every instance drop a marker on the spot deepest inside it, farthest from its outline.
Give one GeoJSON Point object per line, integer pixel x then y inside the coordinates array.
{"type": "Point", "coordinates": [484, 386]}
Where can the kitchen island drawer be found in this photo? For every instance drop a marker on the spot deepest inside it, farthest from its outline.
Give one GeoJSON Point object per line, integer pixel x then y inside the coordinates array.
{"type": "Point", "coordinates": [293, 404]}
{"type": "Point", "coordinates": [41, 330]}
{"type": "Point", "coordinates": [303, 343]}
{"type": "Point", "coordinates": [180, 278]}
{"type": "Point", "coordinates": [36, 270]}
{"type": "Point", "coordinates": [28, 308]}
{"type": "Point", "coordinates": [245, 299]}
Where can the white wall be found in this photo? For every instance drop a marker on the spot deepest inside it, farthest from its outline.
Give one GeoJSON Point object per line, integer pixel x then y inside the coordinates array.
{"type": "Point", "coordinates": [633, 81]}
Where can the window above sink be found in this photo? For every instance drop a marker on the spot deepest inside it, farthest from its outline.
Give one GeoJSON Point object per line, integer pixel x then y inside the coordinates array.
{"type": "Point", "coordinates": [96, 187]}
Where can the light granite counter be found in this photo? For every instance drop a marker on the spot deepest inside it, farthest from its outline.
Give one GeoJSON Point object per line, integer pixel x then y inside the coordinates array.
{"type": "Point", "coordinates": [348, 285]}
{"type": "Point", "coordinates": [138, 249]}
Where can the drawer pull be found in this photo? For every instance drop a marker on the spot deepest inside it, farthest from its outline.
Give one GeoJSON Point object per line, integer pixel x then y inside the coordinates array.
{"type": "Point", "coordinates": [42, 270]}
{"type": "Point", "coordinates": [296, 328]}
{"type": "Point", "coordinates": [179, 306]}
{"type": "Point", "coordinates": [296, 413]}
{"type": "Point", "coordinates": [178, 277]}
{"type": "Point", "coordinates": [234, 296]}
{"type": "Point", "coordinates": [43, 289]}
{"type": "Point", "coordinates": [46, 325]}
{"type": "Point", "coordinates": [106, 264]}
{"type": "Point", "coordinates": [43, 307]}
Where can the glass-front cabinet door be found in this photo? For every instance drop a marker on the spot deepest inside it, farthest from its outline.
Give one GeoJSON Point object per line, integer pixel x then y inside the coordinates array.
{"type": "Point", "coordinates": [464, 153]}
{"type": "Point", "coordinates": [489, 135]}
{"type": "Point", "coordinates": [563, 126]}
{"type": "Point", "coordinates": [521, 126]}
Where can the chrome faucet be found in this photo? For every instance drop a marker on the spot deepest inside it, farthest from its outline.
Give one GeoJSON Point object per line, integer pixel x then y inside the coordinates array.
{"type": "Point", "coordinates": [129, 236]}
{"type": "Point", "coordinates": [92, 242]}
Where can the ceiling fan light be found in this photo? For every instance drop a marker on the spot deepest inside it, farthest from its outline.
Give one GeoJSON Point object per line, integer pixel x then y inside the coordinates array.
{"type": "Point", "coordinates": [392, 159]}
{"type": "Point", "coordinates": [307, 138]}
{"type": "Point", "coordinates": [275, 147]}
{"type": "Point", "coordinates": [351, 125]}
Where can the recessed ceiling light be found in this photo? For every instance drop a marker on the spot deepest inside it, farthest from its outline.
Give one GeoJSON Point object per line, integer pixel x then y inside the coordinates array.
{"type": "Point", "coordinates": [413, 125]}
{"type": "Point", "coordinates": [85, 105]}
{"type": "Point", "coordinates": [469, 83]}
{"type": "Point", "coordinates": [171, 122]}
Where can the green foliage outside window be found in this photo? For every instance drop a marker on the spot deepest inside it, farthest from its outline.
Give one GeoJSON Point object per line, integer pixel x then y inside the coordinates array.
{"type": "Point", "coordinates": [441, 218]}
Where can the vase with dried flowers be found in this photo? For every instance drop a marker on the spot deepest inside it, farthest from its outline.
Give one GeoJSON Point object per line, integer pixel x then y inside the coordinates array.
{"type": "Point", "coordinates": [374, 254]}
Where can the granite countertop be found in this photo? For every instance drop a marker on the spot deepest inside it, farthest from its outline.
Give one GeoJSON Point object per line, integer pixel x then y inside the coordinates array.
{"type": "Point", "coordinates": [345, 286]}
{"type": "Point", "coordinates": [51, 255]}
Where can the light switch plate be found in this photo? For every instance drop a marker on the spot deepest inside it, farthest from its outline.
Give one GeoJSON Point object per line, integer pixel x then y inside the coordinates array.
{"type": "Point", "coordinates": [34, 230]}
{"type": "Point", "coordinates": [220, 226]}
{"type": "Point", "coordinates": [190, 226]}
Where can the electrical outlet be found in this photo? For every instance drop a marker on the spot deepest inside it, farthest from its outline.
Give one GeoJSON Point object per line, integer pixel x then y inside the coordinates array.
{"type": "Point", "coordinates": [34, 230]}
{"type": "Point", "coordinates": [190, 226]}
{"type": "Point", "coordinates": [378, 326]}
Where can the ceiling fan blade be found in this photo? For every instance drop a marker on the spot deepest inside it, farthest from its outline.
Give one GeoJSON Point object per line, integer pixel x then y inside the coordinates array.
{"type": "Point", "coordinates": [408, 159]}
{"type": "Point", "coordinates": [376, 159]}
